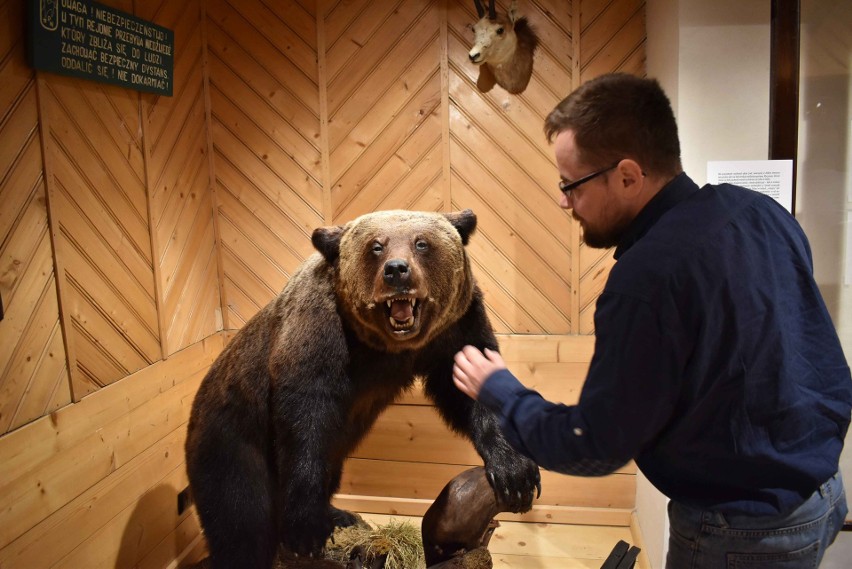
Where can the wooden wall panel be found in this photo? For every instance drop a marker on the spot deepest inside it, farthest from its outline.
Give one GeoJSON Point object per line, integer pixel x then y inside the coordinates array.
{"type": "Point", "coordinates": [95, 484]}
{"type": "Point", "coordinates": [33, 372]}
{"type": "Point", "coordinates": [99, 203]}
{"type": "Point", "coordinates": [178, 176]}
{"type": "Point", "coordinates": [384, 107]}
{"type": "Point", "coordinates": [391, 118]}
{"type": "Point", "coordinates": [264, 100]}
{"type": "Point", "coordinates": [611, 38]}
{"type": "Point", "coordinates": [504, 169]}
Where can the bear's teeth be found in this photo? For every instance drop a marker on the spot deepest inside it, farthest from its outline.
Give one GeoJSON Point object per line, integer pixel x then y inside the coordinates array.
{"type": "Point", "coordinates": [389, 304]}
{"type": "Point", "coordinates": [413, 302]}
{"type": "Point", "coordinates": [396, 325]}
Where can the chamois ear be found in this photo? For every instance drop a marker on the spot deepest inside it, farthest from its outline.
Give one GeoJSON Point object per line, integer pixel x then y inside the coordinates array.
{"type": "Point", "coordinates": [513, 12]}
{"type": "Point", "coordinates": [464, 221]}
{"type": "Point", "coordinates": [326, 240]}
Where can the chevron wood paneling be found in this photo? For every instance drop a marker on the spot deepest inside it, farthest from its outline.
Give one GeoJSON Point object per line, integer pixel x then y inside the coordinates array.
{"type": "Point", "coordinates": [178, 174]}
{"type": "Point", "coordinates": [390, 117]}
{"type": "Point", "coordinates": [101, 217]}
{"type": "Point", "coordinates": [503, 168]}
{"type": "Point", "coordinates": [33, 371]}
{"type": "Point", "coordinates": [612, 38]}
{"type": "Point", "coordinates": [265, 121]}
{"type": "Point", "coordinates": [384, 107]}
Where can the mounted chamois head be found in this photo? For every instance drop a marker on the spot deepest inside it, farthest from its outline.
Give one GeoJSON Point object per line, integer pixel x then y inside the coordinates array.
{"type": "Point", "coordinates": [503, 49]}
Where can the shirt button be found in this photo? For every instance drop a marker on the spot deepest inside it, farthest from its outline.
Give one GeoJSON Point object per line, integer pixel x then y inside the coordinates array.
{"type": "Point", "coordinates": [578, 431]}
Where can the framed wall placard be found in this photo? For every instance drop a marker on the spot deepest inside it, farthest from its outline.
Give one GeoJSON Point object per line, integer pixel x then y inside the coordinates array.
{"type": "Point", "coordinates": [92, 41]}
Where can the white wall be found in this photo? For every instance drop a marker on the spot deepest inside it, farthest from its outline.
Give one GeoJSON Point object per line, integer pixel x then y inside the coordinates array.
{"type": "Point", "coordinates": [824, 201]}
{"type": "Point", "coordinates": [712, 58]}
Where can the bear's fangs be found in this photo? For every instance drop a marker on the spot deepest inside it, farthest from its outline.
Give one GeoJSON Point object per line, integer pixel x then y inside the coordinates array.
{"type": "Point", "coordinates": [401, 312]}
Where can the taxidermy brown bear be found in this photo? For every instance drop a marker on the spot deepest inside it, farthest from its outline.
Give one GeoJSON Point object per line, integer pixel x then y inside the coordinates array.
{"type": "Point", "coordinates": [389, 297]}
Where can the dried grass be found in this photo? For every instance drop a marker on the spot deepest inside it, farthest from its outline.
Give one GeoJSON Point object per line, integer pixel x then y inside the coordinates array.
{"type": "Point", "coordinates": [400, 542]}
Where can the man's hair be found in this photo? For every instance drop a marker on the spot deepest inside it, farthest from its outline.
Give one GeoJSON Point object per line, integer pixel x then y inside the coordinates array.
{"type": "Point", "coordinates": [619, 116]}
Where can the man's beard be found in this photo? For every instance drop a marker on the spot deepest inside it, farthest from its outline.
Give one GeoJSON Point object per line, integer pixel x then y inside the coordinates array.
{"type": "Point", "coordinates": [602, 239]}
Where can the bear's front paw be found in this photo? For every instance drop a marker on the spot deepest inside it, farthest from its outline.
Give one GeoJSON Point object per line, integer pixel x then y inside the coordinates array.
{"type": "Point", "coordinates": [515, 482]}
{"type": "Point", "coordinates": [308, 536]}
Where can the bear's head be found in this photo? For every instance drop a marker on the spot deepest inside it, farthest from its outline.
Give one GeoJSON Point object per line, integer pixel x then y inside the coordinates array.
{"type": "Point", "coordinates": [401, 277]}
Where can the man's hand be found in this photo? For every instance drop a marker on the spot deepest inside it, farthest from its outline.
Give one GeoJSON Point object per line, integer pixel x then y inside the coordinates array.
{"type": "Point", "coordinates": [472, 368]}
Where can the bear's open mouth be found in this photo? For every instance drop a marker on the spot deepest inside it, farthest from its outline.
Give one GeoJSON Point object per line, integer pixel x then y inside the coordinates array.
{"type": "Point", "coordinates": [402, 312]}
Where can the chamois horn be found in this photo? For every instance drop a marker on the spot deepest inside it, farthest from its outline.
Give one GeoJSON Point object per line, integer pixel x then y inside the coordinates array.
{"type": "Point", "coordinates": [480, 10]}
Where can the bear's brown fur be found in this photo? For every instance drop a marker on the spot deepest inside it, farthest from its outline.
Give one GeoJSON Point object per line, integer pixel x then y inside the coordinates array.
{"type": "Point", "coordinates": [389, 298]}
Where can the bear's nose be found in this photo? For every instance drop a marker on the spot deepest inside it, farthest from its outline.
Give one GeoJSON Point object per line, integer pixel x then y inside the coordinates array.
{"type": "Point", "coordinates": [396, 272]}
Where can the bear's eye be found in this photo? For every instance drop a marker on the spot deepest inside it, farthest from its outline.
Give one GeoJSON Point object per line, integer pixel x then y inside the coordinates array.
{"type": "Point", "coordinates": [500, 31]}
{"type": "Point", "coordinates": [377, 248]}
{"type": "Point", "coordinates": [421, 245]}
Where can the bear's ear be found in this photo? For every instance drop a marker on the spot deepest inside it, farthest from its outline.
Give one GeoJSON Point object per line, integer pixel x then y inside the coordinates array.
{"type": "Point", "coordinates": [326, 240]}
{"type": "Point", "coordinates": [464, 221]}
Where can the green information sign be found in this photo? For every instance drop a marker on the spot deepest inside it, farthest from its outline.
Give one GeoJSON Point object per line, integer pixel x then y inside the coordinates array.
{"type": "Point", "coordinates": [92, 41]}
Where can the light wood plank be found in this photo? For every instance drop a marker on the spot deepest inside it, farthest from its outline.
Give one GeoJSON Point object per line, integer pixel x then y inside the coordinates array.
{"type": "Point", "coordinates": [74, 451]}
{"type": "Point", "coordinates": [380, 132]}
{"type": "Point", "coordinates": [170, 178]}
{"type": "Point", "coordinates": [81, 134]}
{"type": "Point", "coordinates": [49, 386]}
{"type": "Point", "coordinates": [398, 183]}
{"type": "Point", "coordinates": [138, 528]}
{"type": "Point", "coordinates": [33, 369]}
{"type": "Point", "coordinates": [365, 41]}
{"type": "Point", "coordinates": [412, 59]}
{"type": "Point", "coordinates": [281, 160]}
{"type": "Point", "coordinates": [256, 171]}
{"type": "Point", "coordinates": [82, 216]}
{"type": "Point", "coordinates": [354, 162]}
{"type": "Point", "coordinates": [273, 26]}
{"type": "Point", "coordinates": [227, 35]}
{"type": "Point", "coordinates": [26, 258]}
{"type": "Point", "coordinates": [272, 100]}
{"type": "Point", "coordinates": [81, 520]}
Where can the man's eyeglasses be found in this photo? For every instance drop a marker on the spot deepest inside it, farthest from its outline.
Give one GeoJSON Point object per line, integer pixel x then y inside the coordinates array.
{"type": "Point", "coordinates": [567, 187]}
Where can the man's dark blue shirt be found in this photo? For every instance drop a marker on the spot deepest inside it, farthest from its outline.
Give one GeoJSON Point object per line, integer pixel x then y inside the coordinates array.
{"type": "Point", "coordinates": [717, 366]}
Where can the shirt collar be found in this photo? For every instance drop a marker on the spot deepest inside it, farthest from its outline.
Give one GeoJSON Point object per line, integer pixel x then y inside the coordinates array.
{"type": "Point", "coordinates": [669, 196]}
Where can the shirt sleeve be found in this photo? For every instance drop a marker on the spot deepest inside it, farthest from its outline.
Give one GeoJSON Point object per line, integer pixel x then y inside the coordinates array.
{"type": "Point", "coordinates": [627, 397]}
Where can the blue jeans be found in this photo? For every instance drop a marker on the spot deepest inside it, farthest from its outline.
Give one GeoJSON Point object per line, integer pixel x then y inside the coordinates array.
{"type": "Point", "coordinates": [703, 539]}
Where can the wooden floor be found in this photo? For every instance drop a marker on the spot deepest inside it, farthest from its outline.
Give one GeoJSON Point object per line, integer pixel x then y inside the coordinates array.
{"type": "Point", "coordinates": [545, 546]}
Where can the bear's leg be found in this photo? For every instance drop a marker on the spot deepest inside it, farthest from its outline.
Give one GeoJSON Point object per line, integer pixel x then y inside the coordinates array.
{"type": "Point", "coordinates": [314, 431]}
{"type": "Point", "coordinates": [512, 475]}
{"type": "Point", "coordinates": [233, 494]}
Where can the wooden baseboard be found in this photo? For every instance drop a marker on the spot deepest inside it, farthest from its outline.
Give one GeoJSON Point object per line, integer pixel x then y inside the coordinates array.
{"type": "Point", "coordinates": [642, 562]}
